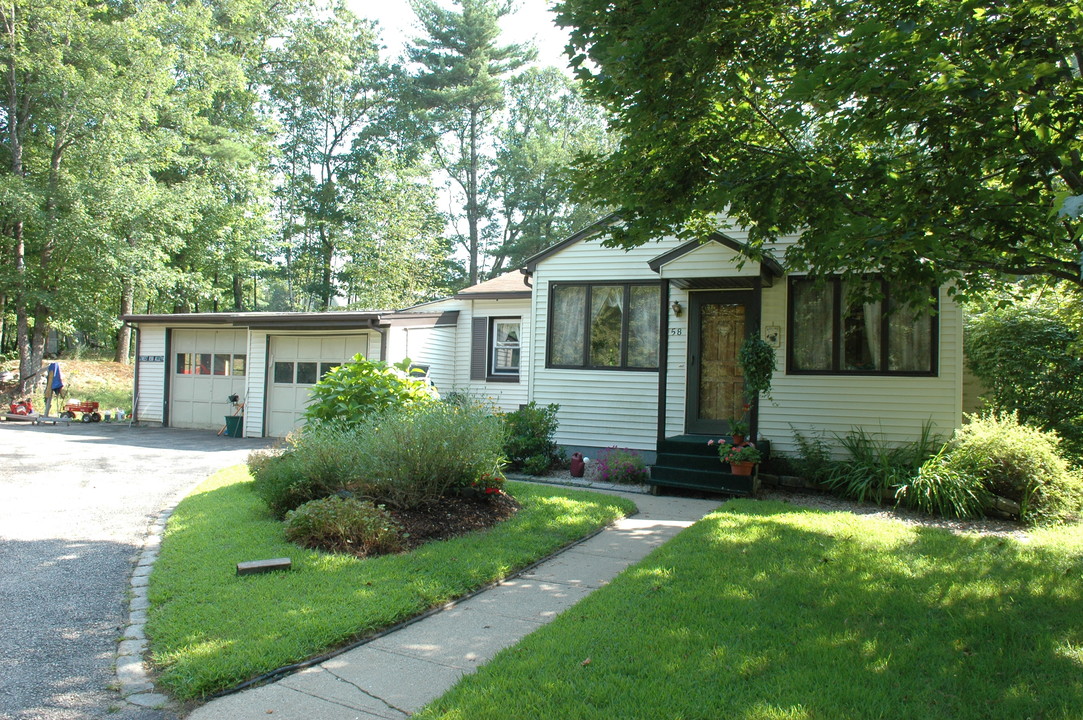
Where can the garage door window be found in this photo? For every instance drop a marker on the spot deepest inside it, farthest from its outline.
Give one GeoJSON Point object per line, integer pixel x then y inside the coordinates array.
{"type": "Point", "coordinates": [299, 373]}
{"type": "Point", "coordinates": [210, 364]}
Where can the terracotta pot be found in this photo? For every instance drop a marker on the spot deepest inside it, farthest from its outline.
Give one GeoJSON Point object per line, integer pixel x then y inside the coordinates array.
{"type": "Point", "coordinates": [738, 440]}
{"type": "Point", "coordinates": [742, 468]}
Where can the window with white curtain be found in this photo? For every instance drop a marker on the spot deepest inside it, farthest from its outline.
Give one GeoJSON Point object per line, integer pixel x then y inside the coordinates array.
{"type": "Point", "coordinates": [604, 326]}
{"type": "Point", "coordinates": [834, 330]}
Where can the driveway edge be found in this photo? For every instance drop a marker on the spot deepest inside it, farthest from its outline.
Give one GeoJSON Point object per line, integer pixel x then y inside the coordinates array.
{"type": "Point", "coordinates": [133, 680]}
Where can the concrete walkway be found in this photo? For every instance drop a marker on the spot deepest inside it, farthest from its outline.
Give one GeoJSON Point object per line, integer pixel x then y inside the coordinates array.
{"type": "Point", "coordinates": [397, 674]}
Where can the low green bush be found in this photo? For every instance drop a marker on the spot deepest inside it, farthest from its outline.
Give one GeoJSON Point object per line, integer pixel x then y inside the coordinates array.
{"type": "Point", "coordinates": [529, 446]}
{"type": "Point", "coordinates": [350, 392]}
{"type": "Point", "coordinates": [812, 461]}
{"type": "Point", "coordinates": [344, 525]}
{"type": "Point", "coordinates": [619, 465]}
{"type": "Point", "coordinates": [1017, 462]}
{"type": "Point", "coordinates": [314, 463]}
{"type": "Point", "coordinates": [418, 454]}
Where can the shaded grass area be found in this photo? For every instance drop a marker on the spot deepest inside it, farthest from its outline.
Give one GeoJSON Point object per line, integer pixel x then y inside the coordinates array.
{"type": "Point", "coordinates": [763, 611]}
{"type": "Point", "coordinates": [210, 629]}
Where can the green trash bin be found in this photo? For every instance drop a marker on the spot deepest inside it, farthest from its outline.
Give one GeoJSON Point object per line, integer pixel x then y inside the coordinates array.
{"type": "Point", "coordinates": [233, 425]}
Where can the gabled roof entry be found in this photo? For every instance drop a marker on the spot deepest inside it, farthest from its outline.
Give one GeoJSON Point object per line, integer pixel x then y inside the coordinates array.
{"type": "Point", "coordinates": [770, 265]}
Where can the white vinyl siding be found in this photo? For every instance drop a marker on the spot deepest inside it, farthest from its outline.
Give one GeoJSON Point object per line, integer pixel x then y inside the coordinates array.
{"type": "Point", "coordinates": [435, 347]}
{"type": "Point", "coordinates": [598, 408]}
{"type": "Point", "coordinates": [150, 393]}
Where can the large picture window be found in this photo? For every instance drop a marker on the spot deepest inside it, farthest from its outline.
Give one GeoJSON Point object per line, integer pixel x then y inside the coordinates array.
{"type": "Point", "coordinates": [834, 331]}
{"type": "Point", "coordinates": [604, 326]}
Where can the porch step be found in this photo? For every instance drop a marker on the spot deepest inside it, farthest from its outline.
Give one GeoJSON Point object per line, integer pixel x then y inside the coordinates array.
{"type": "Point", "coordinates": [687, 461]}
{"type": "Point", "coordinates": [715, 481]}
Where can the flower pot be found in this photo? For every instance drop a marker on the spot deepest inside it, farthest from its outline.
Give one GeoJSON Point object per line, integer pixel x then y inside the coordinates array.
{"type": "Point", "coordinates": [742, 468]}
{"type": "Point", "coordinates": [738, 440]}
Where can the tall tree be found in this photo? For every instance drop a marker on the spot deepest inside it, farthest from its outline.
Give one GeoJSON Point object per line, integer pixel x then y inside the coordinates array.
{"type": "Point", "coordinates": [460, 88]}
{"type": "Point", "coordinates": [546, 126]}
{"type": "Point", "coordinates": [929, 140]}
{"type": "Point", "coordinates": [335, 100]}
{"type": "Point", "coordinates": [81, 81]}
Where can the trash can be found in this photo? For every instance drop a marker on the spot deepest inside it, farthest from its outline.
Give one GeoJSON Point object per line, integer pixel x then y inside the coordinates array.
{"type": "Point", "coordinates": [233, 425]}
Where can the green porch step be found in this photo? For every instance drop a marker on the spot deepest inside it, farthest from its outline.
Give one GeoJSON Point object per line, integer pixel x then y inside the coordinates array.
{"type": "Point", "coordinates": [687, 461]}
{"type": "Point", "coordinates": [715, 481]}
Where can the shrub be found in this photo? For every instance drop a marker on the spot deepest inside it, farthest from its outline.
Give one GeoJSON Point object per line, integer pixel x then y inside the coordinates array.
{"type": "Point", "coordinates": [1017, 462]}
{"type": "Point", "coordinates": [347, 394]}
{"type": "Point", "coordinates": [414, 455]}
{"type": "Point", "coordinates": [529, 444]}
{"type": "Point", "coordinates": [875, 468]}
{"type": "Point", "coordinates": [619, 465]}
{"type": "Point", "coordinates": [314, 463]}
{"type": "Point", "coordinates": [1027, 355]}
{"type": "Point", "coordinates": [345, 525]}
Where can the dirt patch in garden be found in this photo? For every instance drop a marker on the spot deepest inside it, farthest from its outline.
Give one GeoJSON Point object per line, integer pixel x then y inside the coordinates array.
{"type": "Point", "coordinates": [453, 516]}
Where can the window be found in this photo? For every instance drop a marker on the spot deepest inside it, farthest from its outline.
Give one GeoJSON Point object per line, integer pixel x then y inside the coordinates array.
{"type": "Point", "coordinates": [504, 358]}
{"type": "Point", "coordinates": [605, 326]}
{"type": "Point", "coordinates": [832, 330]}
{"type": "Point", "coordinates": [210, 364]}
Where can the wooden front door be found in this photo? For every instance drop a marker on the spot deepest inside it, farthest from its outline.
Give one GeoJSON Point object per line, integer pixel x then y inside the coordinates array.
{"type": "Point", "coordinates": [718, 322]}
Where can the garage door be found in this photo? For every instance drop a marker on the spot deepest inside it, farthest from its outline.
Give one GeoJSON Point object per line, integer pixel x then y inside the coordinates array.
{"type": "Point", "coordinates": [208, 367]}
{"type": "Point", "coordinates": [296, 363]}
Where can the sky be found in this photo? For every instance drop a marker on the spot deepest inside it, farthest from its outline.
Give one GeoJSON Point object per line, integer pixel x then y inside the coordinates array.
{"type": "Point", "coordinates": [532, 20]}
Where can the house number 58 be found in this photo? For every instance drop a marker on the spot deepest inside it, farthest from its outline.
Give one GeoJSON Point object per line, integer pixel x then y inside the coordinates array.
{"type": "Point", "coordinates": [676, 331]}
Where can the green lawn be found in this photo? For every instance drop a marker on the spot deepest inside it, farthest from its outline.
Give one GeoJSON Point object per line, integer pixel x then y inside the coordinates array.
{"type": "Point", "coordinates": [210, 629]}
{"type": "Point", "coordinates": [765, 611]}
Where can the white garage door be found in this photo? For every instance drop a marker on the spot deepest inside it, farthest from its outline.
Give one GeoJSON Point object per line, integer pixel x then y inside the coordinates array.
{"type": "Point", "coordinates": [296, 363]}
{"type": "Point", "coordinates": [208, 367]}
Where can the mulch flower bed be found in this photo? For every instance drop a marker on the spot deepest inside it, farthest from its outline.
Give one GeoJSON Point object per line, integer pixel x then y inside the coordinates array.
{"type": "Point", "coordinates": [453, 516]}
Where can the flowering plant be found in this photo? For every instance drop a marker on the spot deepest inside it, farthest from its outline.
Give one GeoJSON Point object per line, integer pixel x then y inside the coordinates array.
{"type": "Point", "coordinates": [489, 484]}
{"type": "Point", "coordinates": [738, 427]}
{"type": "Point", "coordinates": [731, 454]}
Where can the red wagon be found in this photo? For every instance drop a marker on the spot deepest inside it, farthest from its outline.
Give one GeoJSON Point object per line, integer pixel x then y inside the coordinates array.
{"type": "Point", "coordinates": [89, 411]}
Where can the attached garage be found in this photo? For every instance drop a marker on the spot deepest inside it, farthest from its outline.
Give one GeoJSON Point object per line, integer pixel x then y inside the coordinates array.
{"type": "Point", "coordinates": [207, 366]}
{"type": "Point", "coordinates": [295, 363]}
{"type": "Point", "coordinates": [189, 365]}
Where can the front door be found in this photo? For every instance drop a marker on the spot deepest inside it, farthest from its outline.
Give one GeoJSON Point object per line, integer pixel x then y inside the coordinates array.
{"type": "Point", "coordinates": [719, 322]}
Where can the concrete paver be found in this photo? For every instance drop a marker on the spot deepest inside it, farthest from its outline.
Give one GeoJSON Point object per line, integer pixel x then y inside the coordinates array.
{"type": "Point", "coordinates": [401, 672]}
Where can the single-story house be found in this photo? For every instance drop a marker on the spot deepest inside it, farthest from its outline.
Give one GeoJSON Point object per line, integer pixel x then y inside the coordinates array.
{"type": "Point", "coordinates": [634, 346]}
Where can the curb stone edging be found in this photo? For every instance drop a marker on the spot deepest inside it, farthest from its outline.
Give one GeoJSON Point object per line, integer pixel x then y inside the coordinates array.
{"type": "Point", "coordinates": [134, 683]}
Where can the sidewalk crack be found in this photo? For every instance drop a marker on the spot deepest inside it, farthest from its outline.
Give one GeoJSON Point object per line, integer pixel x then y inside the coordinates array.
{"type": "Point", "coordinates": [366, 692]}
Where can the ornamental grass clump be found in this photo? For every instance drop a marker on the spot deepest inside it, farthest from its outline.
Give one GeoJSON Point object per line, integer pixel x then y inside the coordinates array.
{"type": "Point", "coordinates": [621, 466]}
{"type": "Point", "coordinates": [344, 525]}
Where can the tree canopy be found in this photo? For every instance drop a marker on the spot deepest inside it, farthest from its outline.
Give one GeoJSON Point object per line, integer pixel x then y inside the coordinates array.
{"type": "Point", "coordinates": [929, 141]}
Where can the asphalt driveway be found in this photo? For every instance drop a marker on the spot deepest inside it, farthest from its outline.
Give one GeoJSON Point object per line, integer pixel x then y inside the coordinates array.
{"type": "Point", "coordinates": [75, 505]}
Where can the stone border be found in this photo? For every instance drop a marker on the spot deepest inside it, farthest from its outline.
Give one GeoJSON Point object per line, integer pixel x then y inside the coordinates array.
{"type": "Point", "coordinates": [133, 680]}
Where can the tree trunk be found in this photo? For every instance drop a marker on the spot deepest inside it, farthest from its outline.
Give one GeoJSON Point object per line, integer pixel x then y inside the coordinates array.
{"type": "Point", "coordinates": [472, 197]}
{"type": "Point", "coordinates": [238, 292]}
{"type": "Point", "coordinates": [124, 333]}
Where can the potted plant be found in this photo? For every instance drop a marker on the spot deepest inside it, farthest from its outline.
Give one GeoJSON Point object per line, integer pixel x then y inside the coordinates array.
{"type": "Point", "coordinates": [738, 430]}
{"type": "Point", "coordinates": [757, 360]}
{"type": "Point", "coordinates": [742, 459]}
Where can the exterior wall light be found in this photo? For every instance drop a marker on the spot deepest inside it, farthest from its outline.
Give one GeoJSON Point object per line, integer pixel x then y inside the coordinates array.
{"type": "Point", "coordinates": [677, 309]}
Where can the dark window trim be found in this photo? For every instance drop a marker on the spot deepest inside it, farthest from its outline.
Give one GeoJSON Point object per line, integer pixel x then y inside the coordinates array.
{"type": "Point", "coordinates": [836, 335]}
{"type": "Point", "coordinates": [623, 367]}
{"type": "Point", "coordinates": [490, 346]}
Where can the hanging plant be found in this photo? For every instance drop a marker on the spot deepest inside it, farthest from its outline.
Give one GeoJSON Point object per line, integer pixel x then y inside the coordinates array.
{"type": "Point", "coordinates": [757, 359]}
